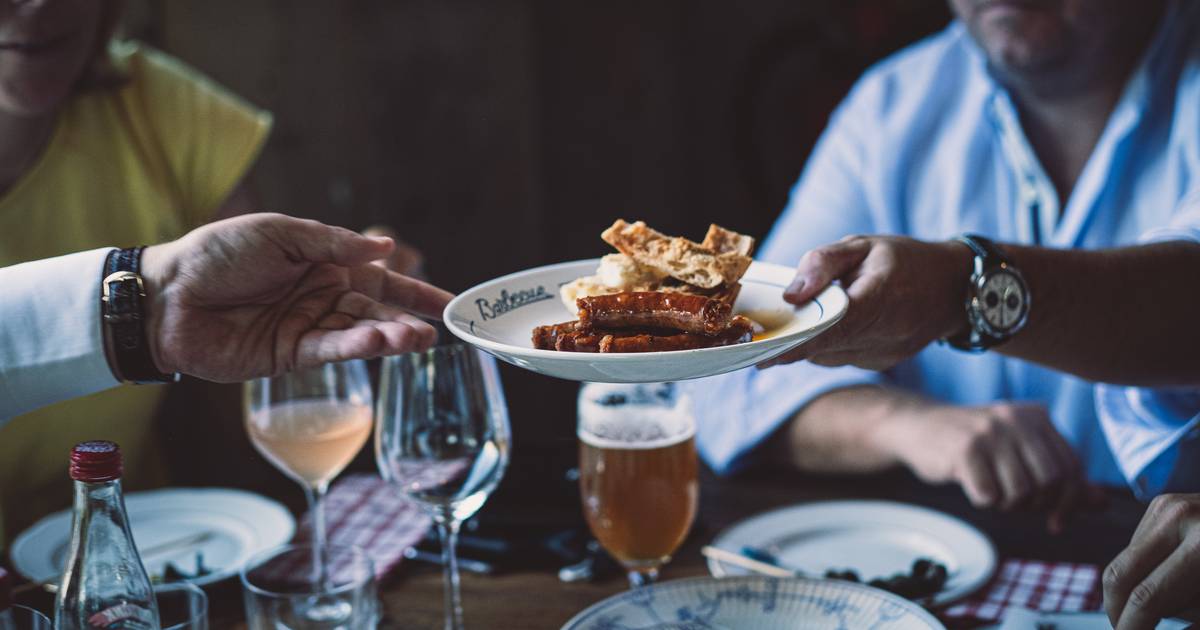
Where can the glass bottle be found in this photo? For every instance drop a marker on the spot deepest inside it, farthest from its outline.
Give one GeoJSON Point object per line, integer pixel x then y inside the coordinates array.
{"type": "Point", "coordinates": [105, 584]}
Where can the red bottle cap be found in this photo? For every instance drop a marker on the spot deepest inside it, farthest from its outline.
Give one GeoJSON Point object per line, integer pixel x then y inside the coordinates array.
{"type": "Point", "coordinates": [5, 590]}
{"type": "Point", "coordinates": [96, 461]}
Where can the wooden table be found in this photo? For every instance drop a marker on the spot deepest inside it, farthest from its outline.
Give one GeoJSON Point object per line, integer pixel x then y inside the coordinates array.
{"type": "Point", "coordinates": [412, 596]}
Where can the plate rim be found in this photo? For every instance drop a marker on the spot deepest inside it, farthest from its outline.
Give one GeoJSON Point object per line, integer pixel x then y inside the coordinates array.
{"type": "Point", "coordinates": [716, 569]}
{"type": "Point", "coordinates": [910, 606]}
{"type": "Point", "coordinates": [835, 315]}
{"type": "Point", "coordinates": [33, 536]}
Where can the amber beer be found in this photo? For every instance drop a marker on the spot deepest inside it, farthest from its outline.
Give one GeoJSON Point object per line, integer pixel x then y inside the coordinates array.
{"type": "Point", "coordinates": [638, 478]}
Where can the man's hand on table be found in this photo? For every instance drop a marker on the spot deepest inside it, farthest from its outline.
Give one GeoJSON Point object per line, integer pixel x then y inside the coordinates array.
{"type": "Point", "coordinates": [904, 294]}
{"type": "Point", "coordinates": [1004, 455]}
{"type": "Point", "coordinates": [1158, 575]}
{"type": "Point", "coordinates": [262, 294]}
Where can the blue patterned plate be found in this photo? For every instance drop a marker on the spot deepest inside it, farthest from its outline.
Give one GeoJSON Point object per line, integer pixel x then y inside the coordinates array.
{"type": "Point", "coordinates": [754, 603]}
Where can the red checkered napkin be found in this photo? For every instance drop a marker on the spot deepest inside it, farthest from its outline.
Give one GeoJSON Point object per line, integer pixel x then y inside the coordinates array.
{"type": "Point", "coordinates": [365, 511]}
{"type": "Point", "coordinates": [1043, 586]}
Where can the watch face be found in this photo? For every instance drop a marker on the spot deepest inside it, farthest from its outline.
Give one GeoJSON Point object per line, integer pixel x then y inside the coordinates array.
{"type": "Point", "coordinates": [1002, 300]}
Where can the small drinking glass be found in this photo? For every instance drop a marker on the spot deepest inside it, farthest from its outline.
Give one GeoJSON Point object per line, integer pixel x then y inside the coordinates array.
{"type": "Point", "coordinates": [283, 591]}
{"type": "Point", "coordinates": [181, 606]}
{"type": "Point", "coordinates": [29, 619]}
{"type": "Point", "coordinates": [310, 424]}
{"type": "Point", "coordinates": [443, 439]}
{"type": "Point", "coordinates": [638, 472]}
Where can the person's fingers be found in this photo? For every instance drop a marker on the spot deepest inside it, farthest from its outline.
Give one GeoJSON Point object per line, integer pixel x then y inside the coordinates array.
{"type": "Point", "coordinates": [355, 309]}
{"type": "Point", "coordinates": [359, 306]}
{"type": "Point", "coordinates": [1042, 461]}
{"type": "Point", "coordinates": [821, 266]}
{"type": "Point", "coordinates": [363, 340]}
{"type": "Point", "coordinates": [1069, 497]}
{"type": "Point", "coordinates": [1168, 589]}
{"type": "Point", "coordinates": [303, 240]}
{"type": "Point", "coordinates": [392, 288]}
{"type": "Point", "coordinates": [978, 478]}
{"type": "Point", "coordinates": [1150, 546]}
{"type": "Point", "coordinates": [404, 259]}
{"type": "Point", "coordinates": [1015, 480]}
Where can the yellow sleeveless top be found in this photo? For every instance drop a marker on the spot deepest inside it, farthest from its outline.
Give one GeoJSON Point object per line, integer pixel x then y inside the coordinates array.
{"type": "Point", "coordinates": [137, 164]}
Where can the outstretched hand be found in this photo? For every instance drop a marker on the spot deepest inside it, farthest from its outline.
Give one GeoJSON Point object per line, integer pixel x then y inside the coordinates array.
{"type": "Point", "coordinates": [904, 294]}
{"type": "Point", "coordinates": [264, 294]}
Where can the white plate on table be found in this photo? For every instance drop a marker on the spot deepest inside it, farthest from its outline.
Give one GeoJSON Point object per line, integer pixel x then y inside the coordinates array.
{"type": "Point", "coordinates": [872, 538]}
{"type": "Point", "coordinates": [499, 317]}
{"type": "Point", "coordinates": [753, 603]}
{"type": "Point", "coordinates": [229, 526]}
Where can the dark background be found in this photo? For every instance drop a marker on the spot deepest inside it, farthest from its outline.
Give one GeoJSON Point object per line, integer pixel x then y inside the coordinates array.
{"type": "Point", "coordinates": [498, 135]}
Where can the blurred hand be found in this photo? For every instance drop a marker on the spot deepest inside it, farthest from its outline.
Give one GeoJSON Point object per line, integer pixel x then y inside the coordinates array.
{"type": "Point", "coordinates": [404, 259]}
{"type": "Point", "coordinates": [1158, 574]}
{"type": "Point", "coordinates": [1004, 455]}
{"type": "Point", "coordinates": [904, 293]}
{"type": "Point", "coordinates": [263, 294]}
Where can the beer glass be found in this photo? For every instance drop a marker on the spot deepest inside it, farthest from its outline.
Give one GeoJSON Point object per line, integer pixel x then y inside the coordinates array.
{"type": "Point", "coordinates": [637, 472]}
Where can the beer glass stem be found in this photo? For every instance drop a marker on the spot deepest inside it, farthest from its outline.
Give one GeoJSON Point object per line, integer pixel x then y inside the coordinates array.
{"type": "Point", "coordinates": [448, 532]}
{"type": "Point", "coordinates": [642, 577]}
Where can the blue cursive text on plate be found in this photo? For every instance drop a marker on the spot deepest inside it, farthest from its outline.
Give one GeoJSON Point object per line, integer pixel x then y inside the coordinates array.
{"type": "Point", "coordinates": [491, 309]}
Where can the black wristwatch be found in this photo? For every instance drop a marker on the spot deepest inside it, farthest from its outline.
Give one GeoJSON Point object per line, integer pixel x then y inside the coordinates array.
{"type": "Point", "coordinates": [123, 312]}
{"type": "Point", "coordinates": [997, 301]}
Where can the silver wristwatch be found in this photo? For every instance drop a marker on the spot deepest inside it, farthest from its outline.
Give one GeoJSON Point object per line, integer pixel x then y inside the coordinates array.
{"type": "Point", "coordinates": [997, 303]}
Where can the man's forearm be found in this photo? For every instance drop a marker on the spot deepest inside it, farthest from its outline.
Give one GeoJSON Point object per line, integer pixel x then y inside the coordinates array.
{"type": "Point", "coordinates": [1127, 316]}
{"type": "Point", "coordinates": [845, 430]}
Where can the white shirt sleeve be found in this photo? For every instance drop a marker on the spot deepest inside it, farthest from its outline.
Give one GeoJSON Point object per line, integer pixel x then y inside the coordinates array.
{"type": "Point", "coordinates": [1146, 427]}
{"type": "Point", "coordinates": [51, 347]}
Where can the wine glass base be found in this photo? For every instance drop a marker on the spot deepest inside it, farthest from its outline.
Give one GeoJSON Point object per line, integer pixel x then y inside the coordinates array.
{"type": "Point", "coordinates": [321, 613]}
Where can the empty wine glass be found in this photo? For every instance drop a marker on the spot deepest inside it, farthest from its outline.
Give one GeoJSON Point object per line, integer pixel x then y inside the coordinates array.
{"type": "Point", "coordinates": [310, 424]}
{"type": "Point", "coordinates": [443, 439]}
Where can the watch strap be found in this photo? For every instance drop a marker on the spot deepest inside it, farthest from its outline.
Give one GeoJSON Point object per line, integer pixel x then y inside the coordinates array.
{"type": "Point", "coordinates": [987, 256]}
{"type": "Point", "coordinates": [123, 313]}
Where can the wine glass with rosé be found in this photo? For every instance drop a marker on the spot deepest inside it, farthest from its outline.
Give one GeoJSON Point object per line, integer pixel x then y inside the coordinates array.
{"type": "Point", "coordinates": [310, 424]}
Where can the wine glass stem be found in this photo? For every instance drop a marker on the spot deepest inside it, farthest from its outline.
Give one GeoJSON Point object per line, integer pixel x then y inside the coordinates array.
{"type": "Point", "coordinates": [448, 532]}
{"type": "Point", "coordinates": [642, 577]}
{"type": "Point", "coordinates": [316, 506]}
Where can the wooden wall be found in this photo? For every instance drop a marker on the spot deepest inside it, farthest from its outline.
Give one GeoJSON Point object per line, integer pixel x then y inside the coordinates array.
{"type": "Point", "coordinates": [501, 134]}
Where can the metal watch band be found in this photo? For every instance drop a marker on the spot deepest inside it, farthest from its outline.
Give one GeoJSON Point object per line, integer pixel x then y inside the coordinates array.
{"type": "Point", "coordinates": [123, 312]}
{"type": "Point", "coordinates": [986, 256]}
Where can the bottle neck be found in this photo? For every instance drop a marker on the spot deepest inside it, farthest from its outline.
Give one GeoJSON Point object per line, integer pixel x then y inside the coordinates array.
{"type": "Point", "coordinates": [100, 517]}
{"type": "Point", "coordinates": [100, 498]}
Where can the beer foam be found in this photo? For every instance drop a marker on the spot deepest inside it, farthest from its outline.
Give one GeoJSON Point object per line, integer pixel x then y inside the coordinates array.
{"type": "Point", "coordinates": [635, 425]}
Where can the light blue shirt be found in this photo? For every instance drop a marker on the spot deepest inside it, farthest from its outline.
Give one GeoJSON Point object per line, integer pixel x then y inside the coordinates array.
{"type": "Point", "coordinates": [928, 145]}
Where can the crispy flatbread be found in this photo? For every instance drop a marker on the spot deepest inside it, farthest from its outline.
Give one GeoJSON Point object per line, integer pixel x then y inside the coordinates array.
{"type": "Point", "coordinates": [707, 267]}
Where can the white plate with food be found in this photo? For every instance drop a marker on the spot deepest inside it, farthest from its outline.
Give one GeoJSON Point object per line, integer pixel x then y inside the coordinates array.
{"type": "Point", "coordinates": [873, 539]}
{"type": "Point", "coordinates": [661, 309]}
{"type": "Point", "coordinates": [753, 603]}
{"type": "Point", "coordinates": [201, 535]}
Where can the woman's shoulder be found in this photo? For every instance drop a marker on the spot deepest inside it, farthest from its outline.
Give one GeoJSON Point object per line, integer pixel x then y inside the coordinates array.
{"type": "Point", "coordinates": [195, 133]}
{"type": "Point", "coordinates": [163, 82]}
